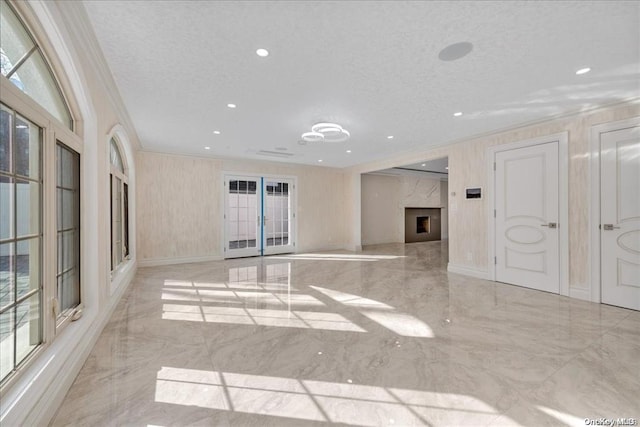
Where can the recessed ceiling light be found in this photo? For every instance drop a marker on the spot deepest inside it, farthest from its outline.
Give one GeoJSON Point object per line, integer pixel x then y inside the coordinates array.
{"type": "Point", "coordinates": [583, 70]}
{"type": "Point", "coordinates": [348, 151]}
{"type": "Point", "coordinates": [424, 164]}
{"type": "Point", "coordinates": [390, 137]}
{"type": "Point", "coordinates": [231, 105]}
{"type": "Point", "coordinates": [262, 52]}
{"type": "Point", "coordinates": [217, 132]}
{"type": "Point", "coordinates": [207, 148]}
{"type": "Point", "coordinates": [446, 167]}
{"type": "Point", "coordinates": [320, 161]}
{"type": "Point", "coordinates": [458, 114]}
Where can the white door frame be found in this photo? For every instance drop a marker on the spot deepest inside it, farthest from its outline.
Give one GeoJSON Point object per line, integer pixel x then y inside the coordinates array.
{"type": "Point", "coordinates": [595, 278]}
{"type": "Point", "coordinates": [223, 203]}
{"type": "Point", "coordinates": [563, 193]}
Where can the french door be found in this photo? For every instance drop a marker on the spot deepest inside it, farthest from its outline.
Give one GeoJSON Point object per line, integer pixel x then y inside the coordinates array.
{"type": "Point", "coordinates": [259, 213]}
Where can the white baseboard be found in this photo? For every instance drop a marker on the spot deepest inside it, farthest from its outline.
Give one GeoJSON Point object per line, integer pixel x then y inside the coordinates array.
{"type": "Point", "coordinates": [580, 293]}
{"type": "Point", "coordinates": [39, 394]}
{"type": "Point", "coordinates": [178, 260]}
{"type": "Point", "coordinates": [467, 271]}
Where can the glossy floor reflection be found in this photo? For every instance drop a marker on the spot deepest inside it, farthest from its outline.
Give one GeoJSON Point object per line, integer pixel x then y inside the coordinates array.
{"type": "Point", "coordinates": [386, 337]}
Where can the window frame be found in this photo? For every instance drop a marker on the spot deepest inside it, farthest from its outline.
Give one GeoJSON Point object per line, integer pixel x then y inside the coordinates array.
{"type": "Point", "coordinates": [116, 174]}
{"type": "Point", "coordinates": [53, 130]}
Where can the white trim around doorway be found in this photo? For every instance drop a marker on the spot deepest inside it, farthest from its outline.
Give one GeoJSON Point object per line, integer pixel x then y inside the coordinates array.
{"type": "Point", "coordinates": [563, 192]}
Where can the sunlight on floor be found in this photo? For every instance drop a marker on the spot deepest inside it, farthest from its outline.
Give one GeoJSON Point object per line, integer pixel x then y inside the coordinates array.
{"type": "Point", "coordinates": [249, 316]}
{"type": "Point", "coordinates": [352, 300]}
{"type": "Point", "coordinates": [400, 323]}
{"type": "Point", "coordinates": [316, 400]}
{"type": "Point", "coordinates": [381, 313]}
{"type": "Point", "coordinates": [563, 417]}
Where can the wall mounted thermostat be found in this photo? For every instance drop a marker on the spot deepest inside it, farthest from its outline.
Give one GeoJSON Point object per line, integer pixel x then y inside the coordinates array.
{"type": "Point", "coordinates": [473, 193]}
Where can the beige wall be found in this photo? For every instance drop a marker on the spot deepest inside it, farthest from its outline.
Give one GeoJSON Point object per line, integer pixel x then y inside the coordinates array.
{"type": "Point", "coordinates": [180, 205]}
{"type": "Point", "coordinates": [468, 220]}
{"type": "Point", "coordinates": [384, 198]}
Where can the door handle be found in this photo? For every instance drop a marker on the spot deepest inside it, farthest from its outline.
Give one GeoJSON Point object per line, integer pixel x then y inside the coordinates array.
{"type": "Point", "coordinates": [609, 226]}
{"type": "Point", "coordinates": [550, 225]}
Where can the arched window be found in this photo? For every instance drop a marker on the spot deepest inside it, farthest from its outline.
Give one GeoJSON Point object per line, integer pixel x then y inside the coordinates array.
{"type": "Point", "coordinates": [39, 242]}
{"type": "Point", "coordinates": [119, 207]}
{"type": "Point", "coordinates": [23, 63]}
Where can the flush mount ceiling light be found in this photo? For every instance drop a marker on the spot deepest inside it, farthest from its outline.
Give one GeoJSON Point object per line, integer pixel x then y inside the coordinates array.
{"type": "Point", "coordinates": [216, 132]}
{"type": "Point", "coordinates": [583, 70]}
{"type": "Point", "coordinates": [458, 114]}
{"type": "Point", "coordinates": [326, 132]}
{"type": "Point", "coordinates": [390, 137]}
{"type": "Point", "coordinates": [231, 105]}
{"type": "Point", "coordinates": [262, 52]}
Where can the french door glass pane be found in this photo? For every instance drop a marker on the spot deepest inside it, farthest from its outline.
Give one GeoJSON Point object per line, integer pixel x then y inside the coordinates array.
{"type": "Point", "coordinates": [277, 206]}
{"type": "Point", "coordinates": [242, 214]}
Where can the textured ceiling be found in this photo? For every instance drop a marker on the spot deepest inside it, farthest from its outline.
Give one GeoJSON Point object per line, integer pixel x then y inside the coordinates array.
{"type": "Point", "coordinates": [372, 67]}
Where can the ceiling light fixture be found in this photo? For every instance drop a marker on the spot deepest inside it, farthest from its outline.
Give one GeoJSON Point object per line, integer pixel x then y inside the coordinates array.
{"type": "Point", "coordinates": [390, 137]}
{"type": "Point", "coordinates": [446, 167]}
{"type": "Point", "coordinates": [231, 105]}
{"type": "Point", "coordinates": [423, 165]}
{"type": "Point", "coordinates": [262, 52]}
{"type": "Point", "coordinates": [217, 132]}
{"type": "Point", "coordinates": [207, 148]}
{"type": "Point", "coordinates": [458, 114]}
{"type": "Point", "coordinates": [348, 151]}
{"type": "Point", "coordinates": [320, 161]}
{"type": "Point", "coordinates": [583, 70]}
{"type": "Point", "coordinates": [326, 132]}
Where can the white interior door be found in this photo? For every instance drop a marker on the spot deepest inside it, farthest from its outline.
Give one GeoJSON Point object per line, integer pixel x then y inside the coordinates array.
{"type": "Point", "coordinates": [620, 217]}
{"type": "Point", "coordinates": [242, 216]}
{"type": "Point", "coordinates": [527, 241]}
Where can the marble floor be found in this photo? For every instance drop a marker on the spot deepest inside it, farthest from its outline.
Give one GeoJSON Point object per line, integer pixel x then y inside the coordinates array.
{"type": "Point", "coordinates": [382, 337]}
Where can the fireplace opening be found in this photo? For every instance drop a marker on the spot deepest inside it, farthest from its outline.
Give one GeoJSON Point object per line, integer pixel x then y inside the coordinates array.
{"type": "Point", "coordinates": [423, 224]}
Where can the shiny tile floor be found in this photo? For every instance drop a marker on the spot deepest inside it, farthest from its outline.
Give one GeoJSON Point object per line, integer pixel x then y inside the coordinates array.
{"type": "Point", "coordinates": [383, 337]}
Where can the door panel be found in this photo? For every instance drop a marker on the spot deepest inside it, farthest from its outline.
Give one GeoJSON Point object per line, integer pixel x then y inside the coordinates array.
{"type": "Point", "coordinates": [277, 211]}
{"type": "Point", "coordinates": [527, 212]}
{"type": "Point", "coordinates": [242, 217]}
{"type": "Point", "coordinates": [620, 217]}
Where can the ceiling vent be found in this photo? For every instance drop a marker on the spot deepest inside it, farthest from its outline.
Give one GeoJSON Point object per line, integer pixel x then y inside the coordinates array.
{"type": "Point", "coordinates": [268, 153]}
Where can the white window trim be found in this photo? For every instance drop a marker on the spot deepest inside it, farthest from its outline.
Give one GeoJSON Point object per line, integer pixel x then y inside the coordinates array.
{"type": "Point", "coordinates": [120, 274]}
